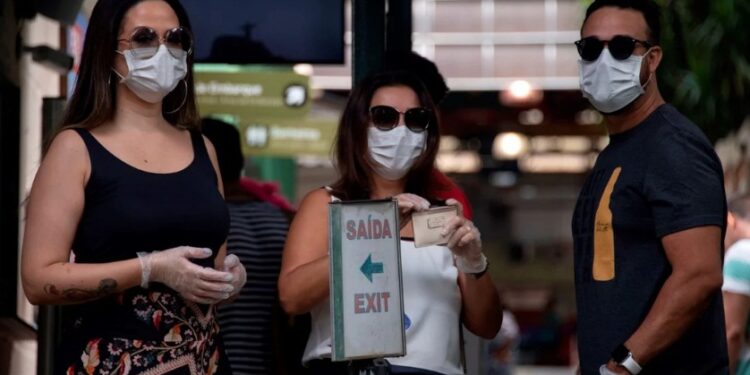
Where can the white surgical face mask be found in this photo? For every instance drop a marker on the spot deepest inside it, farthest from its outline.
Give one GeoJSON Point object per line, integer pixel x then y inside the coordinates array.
{"type": "Point", "coordinates": [611, 84]}
{"type": "Point", "coordinates": [394, 151]}
{"type": "Point", "coordinates": [153, 78]}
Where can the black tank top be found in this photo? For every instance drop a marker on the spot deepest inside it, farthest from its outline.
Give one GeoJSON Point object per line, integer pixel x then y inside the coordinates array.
{"type": "Point", "coordinates": [128, 210]}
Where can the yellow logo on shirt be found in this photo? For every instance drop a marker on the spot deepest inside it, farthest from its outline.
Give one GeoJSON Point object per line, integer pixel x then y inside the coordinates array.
{"type": "Point", "coordinates": [604, 236]}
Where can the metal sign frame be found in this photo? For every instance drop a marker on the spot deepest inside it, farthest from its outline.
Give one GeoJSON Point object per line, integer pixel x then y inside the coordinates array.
{"type": "Point", "coordinates": [344, 345]}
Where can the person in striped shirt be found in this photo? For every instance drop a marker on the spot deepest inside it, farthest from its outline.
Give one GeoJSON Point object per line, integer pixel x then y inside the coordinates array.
{"type": "Point", "coordinates": [736, 288]}
{"type": "Point", "coordinates": [257, 231]}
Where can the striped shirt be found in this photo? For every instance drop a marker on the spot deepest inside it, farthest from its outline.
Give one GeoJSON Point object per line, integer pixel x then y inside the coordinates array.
{"type": "Point", "coordinates": [737, 280]}
{"type": "Point", "coordinates": [256, 235]}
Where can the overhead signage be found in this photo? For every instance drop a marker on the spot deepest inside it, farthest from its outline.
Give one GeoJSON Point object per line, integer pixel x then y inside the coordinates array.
{"type": "Point", "coordinates": [270, 107]}
{"type": "Point", "coordinates": [366, 285]}
{"type": "Point", "coordinates": [247, 91]}
{"type": "Point", "coordinates": [287, 137]}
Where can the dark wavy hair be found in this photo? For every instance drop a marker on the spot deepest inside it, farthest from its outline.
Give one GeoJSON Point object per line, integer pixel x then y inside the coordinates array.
{"type": "Point", "coordinates": [93, 100]}
{"type": "Point", "coordinates": [650, 10]}
{"type": "Point", "coordinates": [350, 147]}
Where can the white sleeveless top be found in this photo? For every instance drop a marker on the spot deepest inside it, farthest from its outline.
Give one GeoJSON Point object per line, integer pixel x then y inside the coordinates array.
{"type": "Point", "coordinates": [432, 304]}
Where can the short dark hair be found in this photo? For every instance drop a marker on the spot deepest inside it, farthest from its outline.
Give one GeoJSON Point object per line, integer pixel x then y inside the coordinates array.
{"type": "Point", "coordinates": [93, 99]}
{"type": "Point", "coordinates": [226, 140]}
{"type": "Point", "coordinates": [650, 10]}
{"type": "Point", "coordinates": [420, 66]}
{"type": "Point", "coordinates": [350, 146]}
{"type": "Point", "coordinates": [740, 206]}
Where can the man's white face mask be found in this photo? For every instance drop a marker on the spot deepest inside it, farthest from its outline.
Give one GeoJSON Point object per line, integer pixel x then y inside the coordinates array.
{"type": "Point", "coordinates": [611, 84]}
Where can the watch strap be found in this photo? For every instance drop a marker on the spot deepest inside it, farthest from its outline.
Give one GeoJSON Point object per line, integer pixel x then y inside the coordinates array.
{"type": "Point", "coordinates": [624, 358]}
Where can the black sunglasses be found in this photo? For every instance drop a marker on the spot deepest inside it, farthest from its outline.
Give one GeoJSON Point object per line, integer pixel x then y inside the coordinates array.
{"type": "Point", "coordinates": [145, 42]}
{"type": "Point", "coordinates": [386, 118]}
{"type": "Point", "coordinates": [621, 47]}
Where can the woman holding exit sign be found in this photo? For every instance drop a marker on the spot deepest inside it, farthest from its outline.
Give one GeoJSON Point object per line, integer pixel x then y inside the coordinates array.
{"type": "Point", "coordinates": [385, 147]}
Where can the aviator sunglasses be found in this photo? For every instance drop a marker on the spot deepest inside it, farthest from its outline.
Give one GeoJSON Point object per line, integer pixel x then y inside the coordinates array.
{"type": "Point", "coordinates": [621, 47]}
{"type": "Point", "coordinates": [144, 42]}
{"type": "Point", "coordinates": [386, 118]}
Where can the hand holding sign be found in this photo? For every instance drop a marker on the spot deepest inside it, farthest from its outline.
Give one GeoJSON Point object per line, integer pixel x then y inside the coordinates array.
{"type": "Point", "coordinates": [407, 203]}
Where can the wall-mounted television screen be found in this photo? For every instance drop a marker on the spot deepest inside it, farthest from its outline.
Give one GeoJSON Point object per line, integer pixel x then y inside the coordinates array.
{"type": "Point", "coordinates": [267, 31]}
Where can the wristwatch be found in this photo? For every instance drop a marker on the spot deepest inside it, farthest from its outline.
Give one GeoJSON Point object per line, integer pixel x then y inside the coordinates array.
{"type": "Point", "coordinates": [624, 358]}
{"type": "Point", "coordinates": [482, 272]}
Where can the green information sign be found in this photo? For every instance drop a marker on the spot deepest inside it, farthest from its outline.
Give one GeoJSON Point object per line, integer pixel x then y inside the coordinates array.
{"type": "Point", "coordinates": [269, 106]}
{"type": "Point", "coordinates": [251, 91]}
{"type": "Point", "coordinates": [287, 137]}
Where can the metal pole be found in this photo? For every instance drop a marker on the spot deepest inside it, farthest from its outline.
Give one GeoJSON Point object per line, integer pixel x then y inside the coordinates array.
{"type": "Point", "coordinates": [368, 25]}
{"type": "Point", "coordinates": [399, 26]}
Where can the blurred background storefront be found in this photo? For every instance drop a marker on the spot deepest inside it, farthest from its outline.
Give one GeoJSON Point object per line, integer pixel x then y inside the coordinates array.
{"type": "Point", "coordinates": [517, 135]}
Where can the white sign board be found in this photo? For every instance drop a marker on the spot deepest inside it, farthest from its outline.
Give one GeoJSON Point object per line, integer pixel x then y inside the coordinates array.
{"type": "Point", "coordinates": [366, 289]}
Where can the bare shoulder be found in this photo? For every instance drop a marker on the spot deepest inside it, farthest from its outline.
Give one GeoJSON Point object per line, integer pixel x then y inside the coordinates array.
{"type": "Point", "coordinates": [66, 159]}
{"type": "Point", "coordinates": [315, 200]}
{"type": "Point", "coordinates": [209, 146]}
{"type": "Point", "coordinates": [313, 210]}
{"type": "Point", "coordinates": [68, 149]}
{"type": "Point", "coordinates": [67, 140]}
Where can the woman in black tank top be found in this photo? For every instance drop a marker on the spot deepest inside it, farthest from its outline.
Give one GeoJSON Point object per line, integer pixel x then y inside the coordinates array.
{"type": "Point", "coordinates": [125, 221]}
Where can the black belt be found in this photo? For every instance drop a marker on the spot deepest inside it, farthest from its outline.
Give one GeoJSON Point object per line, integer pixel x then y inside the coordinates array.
{"type": "Point", "coordinates": [376, 366]}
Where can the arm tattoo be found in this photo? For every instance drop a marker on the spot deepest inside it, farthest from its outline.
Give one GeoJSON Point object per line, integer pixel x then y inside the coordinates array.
{"type": "Point", "coordinates": [106, 287]}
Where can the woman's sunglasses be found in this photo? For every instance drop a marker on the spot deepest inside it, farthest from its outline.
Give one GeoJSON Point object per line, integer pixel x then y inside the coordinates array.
{"type": "Point", "coordinates": [621, 47]}
{"type": "Point", "coordinates": [386, 118]}
{"type": "Point", "coordinates": [144, 42]}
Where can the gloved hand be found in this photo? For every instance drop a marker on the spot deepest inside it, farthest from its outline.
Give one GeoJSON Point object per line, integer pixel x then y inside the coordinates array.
{"type": "Point", "coordinates": [408, 202]}
{"type": "Point", "coordinates": [173, 268]}
{"type": "Point", "coordinates": [465, 241]}
{"type": "Point", "coordinates": [233, 265]}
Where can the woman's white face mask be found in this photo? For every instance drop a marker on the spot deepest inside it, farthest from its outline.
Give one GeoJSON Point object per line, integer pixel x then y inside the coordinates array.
{"type": "Point", "coordinates": [393, 152]}
{"type": "Point", "coordinates": [153, 78]}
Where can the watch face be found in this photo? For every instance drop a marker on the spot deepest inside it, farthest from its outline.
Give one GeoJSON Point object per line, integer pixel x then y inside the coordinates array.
{"type": "Point", "coordinates": [620, 353]}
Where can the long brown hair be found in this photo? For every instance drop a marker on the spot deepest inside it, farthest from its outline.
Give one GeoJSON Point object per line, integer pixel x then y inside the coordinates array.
{"type": "Point", "coordinates": [350, 147]}
{"type": "Point", "coordinates": [93, 100]}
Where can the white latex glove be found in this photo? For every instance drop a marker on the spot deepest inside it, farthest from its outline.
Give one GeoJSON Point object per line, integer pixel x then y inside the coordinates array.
{"type": "Point", "coordinates": [233, 265]}
{"type": "Point", "coordinates": [408, 202]}
{"type": "Point", "coordinates": [173, 268]}
{"type": "Point", "coordinates": [465, 241]}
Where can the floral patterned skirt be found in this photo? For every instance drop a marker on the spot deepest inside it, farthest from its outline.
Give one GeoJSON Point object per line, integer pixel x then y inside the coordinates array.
{"type": "Point", "coordinates": [189, 345]}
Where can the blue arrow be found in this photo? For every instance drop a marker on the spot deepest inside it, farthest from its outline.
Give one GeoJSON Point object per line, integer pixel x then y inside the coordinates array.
{"type": "Point", "coordinates": [368, 268]}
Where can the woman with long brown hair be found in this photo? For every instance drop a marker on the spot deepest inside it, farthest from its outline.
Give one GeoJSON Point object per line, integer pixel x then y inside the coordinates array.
{"type": "Point", "coordinates": [386, 146]}
{"type": "Point", "coordinates": [130, 189]}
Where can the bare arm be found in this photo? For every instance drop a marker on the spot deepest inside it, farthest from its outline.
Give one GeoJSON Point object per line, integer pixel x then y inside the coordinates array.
{"type": "Point", "coordinates": [736, 310]}
{"type": "Point", "coordinates": [695, 257]}
{"type": "Point", "coordinates": [219, 261]}
{"type": "Point", "coordinates": [303, 280]}
{"type": "Point", "coordinates": [482, 314]}
{"type": "Point", "coordinates": [53, 211]}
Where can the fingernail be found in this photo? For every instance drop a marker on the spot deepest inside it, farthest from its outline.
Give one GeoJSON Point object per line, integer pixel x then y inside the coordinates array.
{"type": "Point", "coordinates": [226, 295]}
{"type": "Point", "coordinates": [229, 289]}
{"type": "Point", "coordinates": [228, 277]}
{"type": "Point", "coordinates": [207, 251]}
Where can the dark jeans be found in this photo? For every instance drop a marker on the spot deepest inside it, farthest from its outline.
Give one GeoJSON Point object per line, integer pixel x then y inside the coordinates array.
{"type": "Point", "coordinates": [361, 367]}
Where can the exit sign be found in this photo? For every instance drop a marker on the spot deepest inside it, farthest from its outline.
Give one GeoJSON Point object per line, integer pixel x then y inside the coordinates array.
{"type": "Point", "coordinates": [366, 287]}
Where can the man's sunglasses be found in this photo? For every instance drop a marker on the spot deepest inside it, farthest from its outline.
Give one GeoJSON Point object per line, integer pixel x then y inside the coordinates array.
{"type": "Point", "coordinates": [145, 42]}
{"type": "Point", "coordinates": [386, 118]}
{"type": "Point", "coordinates": [621, 47]}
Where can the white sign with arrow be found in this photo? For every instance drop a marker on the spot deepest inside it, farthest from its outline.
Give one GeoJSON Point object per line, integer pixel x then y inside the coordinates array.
{"type": "Point", "coordinates": [366, 287]}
